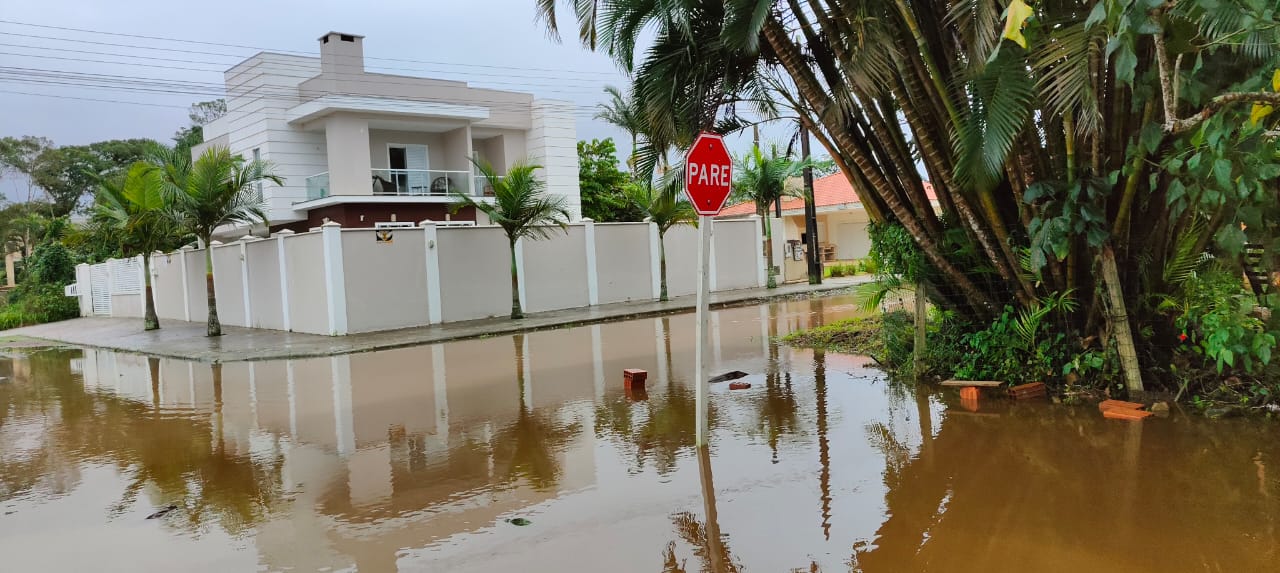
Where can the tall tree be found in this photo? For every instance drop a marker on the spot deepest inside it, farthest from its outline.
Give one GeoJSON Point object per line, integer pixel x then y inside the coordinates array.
{"type": "Point", "coordinates": [201, 114]}
{"type": "Point", "coordinates": [622, 111]}
{"type": "Point", "coordinates": [1047, 132]}
{"type": "Point", "coordinates": [134, 205]}
{"type": "Point", "coordinates": [522, 208]}
{"type": "Point", "coordinates": [666, 207]}
{"type": "Point", "coordinates": [762, 179]}
{"type": "Point", "coordinates": [216, 189]}
{"type": "Point", "coordinates": [601, 183]}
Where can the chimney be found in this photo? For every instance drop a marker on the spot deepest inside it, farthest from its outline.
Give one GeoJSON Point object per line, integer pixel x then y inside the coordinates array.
{"type": "Point", "coordinates": [341, 53]}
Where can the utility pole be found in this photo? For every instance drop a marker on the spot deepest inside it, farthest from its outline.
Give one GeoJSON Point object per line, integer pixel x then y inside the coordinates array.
{"type": "Point", "coordinates": [810, 215]}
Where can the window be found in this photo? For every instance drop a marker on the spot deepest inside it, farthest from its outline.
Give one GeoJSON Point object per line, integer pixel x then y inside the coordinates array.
{"type": "Point", "coordinates": [347, 38]}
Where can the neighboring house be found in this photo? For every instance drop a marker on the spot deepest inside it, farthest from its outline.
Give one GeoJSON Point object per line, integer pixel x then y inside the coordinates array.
{"type": "Point", "coordinates": [361, 148]}
{"type": "Point", "coordinates": [842, 224]}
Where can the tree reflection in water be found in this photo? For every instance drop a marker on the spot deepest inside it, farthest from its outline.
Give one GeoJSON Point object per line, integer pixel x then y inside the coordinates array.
{"type": "Point", "coordinates": [527, 447]}
{"type": "Point", "coordinates": [176, 459]}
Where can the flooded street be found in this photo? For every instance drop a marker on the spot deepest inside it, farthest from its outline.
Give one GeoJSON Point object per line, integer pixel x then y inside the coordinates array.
{"type": "Point", "coordinates": [524, 453]}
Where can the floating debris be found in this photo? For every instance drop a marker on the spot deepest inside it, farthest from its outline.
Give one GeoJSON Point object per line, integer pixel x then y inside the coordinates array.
{"type": "Point", "coordinates": [162, 512]}
{"type": "Point", "coordinates": [727, 376]}
{"type": "Point", "coordinates": [519, 521]}
{"type": "Point", "coordinates": [739, 385]}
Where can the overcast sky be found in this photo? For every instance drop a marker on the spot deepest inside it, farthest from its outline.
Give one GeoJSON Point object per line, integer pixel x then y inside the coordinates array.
{"type": "Point", "coordinates": [490, 43]}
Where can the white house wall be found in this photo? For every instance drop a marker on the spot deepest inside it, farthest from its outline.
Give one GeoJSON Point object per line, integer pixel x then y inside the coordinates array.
{"type": "Point", "coordinates": [552, 143]}
{"type": "Point", "coordinates": [308, 295]}
{"type": "Point", "coordinates": [475, 281]}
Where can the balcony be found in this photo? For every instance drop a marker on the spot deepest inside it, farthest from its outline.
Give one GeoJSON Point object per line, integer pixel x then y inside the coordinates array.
{"type": "Point", "coordinates": [318, 186]}
{"type": "Point", "coordinates": [410, 183]}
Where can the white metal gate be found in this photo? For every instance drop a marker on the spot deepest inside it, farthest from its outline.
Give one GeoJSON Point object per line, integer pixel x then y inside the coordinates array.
{"type": "Point", "coordinates": [100, 288]}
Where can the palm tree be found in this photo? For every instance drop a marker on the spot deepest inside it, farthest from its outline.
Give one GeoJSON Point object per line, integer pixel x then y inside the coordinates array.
{"type": "Point", "coordinates": [666, 207]}
{"type": "Point", "coordinates": [133, 206]}
{"type": "Point", "coordinates": [624, 112]}
{"type": "Point", "coordinates": [521, 208]}
{"type": "Point", "coordinates": [215, 190]}
{"type": "Point", "coordinates": [762, 180]}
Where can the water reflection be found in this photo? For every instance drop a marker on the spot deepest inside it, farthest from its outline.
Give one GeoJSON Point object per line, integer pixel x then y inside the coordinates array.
{"type": "Point", "coordinates": [416, 458]}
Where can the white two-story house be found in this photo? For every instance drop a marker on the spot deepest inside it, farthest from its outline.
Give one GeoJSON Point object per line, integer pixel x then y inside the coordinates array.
{"type": "Point", "coordinates": [360, 148]}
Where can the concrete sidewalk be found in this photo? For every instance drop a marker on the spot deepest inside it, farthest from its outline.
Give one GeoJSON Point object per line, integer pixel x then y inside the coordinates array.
{"type": "Point", "coordinates": [186, 340]}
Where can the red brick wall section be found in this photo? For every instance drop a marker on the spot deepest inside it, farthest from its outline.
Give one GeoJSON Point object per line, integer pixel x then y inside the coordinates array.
{"type": "Point", "coordinates": [364, 215]}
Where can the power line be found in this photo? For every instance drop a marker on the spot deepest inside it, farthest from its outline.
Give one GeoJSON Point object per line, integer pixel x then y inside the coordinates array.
{"type": "Point", "coordinates": [160, 85]}
{"type": "Point", "coordinates": [241, 46]}
{"type": "Point", "coordinates": [240, 58]}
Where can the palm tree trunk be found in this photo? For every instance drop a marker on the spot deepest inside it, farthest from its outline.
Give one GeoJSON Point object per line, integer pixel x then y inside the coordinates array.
{"type": "Point", "coordinates": [516, 311]}
{"type": "Point", "coordinates": [793, 61]}
{"type": "Point", "coordinates": [215, 327]}
{"type": "Point", "coordinates": [662, 265]}
{"type": "Point", "coordinates": [768, 252]}
{"type": "Point", "coordinates": [149, 321]}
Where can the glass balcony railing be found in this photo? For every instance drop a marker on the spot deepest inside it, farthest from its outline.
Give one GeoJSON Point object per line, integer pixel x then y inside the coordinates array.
{"type": "Point", "coordinates": [318, 186]}
{"type": "Point", "coordinates": [411, 182]}
{"type": "Point", "coordinates": [431, 182]}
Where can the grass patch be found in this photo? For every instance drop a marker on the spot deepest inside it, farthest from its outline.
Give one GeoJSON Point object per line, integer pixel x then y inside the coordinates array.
{"type": "Point", "coordinates": [863, 335]}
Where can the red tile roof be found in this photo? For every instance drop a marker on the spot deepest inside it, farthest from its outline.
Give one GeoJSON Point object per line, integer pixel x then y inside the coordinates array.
{"type": "Point", "coordinates": [828, 191]}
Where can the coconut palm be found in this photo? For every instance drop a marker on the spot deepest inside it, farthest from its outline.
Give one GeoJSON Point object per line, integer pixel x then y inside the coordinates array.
{"type": "Point", "coordinates": [521, 207]}
{"type": "Point", "coordinates": [623, 112]}
{"type": "Point", "coordinates": [762, 179]}
{"type": "Point", "coordinates": [666, 207]}
{"type": "Point", "coordinates": [132, 205]}
{"type": "Point", "coordinates": [215, 190]}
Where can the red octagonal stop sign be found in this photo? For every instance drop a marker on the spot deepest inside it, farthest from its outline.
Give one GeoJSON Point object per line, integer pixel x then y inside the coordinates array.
{"type": "Point", "coordinates": [708, 175]}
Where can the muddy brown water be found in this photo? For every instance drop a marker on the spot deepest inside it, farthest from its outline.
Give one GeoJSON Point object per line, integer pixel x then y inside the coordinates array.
{"type": "Point", "coordinates": [420, 459]}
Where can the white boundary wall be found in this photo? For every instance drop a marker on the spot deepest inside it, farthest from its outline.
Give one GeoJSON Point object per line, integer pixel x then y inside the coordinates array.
{"type": "Point", "coordinates": [339, 281]}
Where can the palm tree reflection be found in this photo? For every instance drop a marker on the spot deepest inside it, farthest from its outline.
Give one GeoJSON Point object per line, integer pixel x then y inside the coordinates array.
{"type": "Point", "coordinates": [527, 447]}
{"type": "Point", "coordinates": [178, 459]}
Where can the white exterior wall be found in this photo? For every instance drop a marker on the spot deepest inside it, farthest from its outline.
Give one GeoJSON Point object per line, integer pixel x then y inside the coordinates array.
{"type": "Point", "coordinates": [308, 302]}
{"type": "Point", "coordinates": [735, 267]}
{"type": "Point", "coordinates": [263, 261]}
{"type": "Point", "coordinates": [433, 274]}
{"type": "Point", "coordinates": [553, 144]}
{"type": "Point", "coordinates": [475, 280]}
{"type": "Point", "coordinates": [166, 286]}
{"type": "Point", "coordinates": [228, 283]}
{"type": "Point", "coordinates": [385, 282]}
{"type": "Point", "coordinates": [257, 120]}
{"type": "Point", "coordinates": [682, 260]}
{"type": "Point", "coordinates": [555, 271]}
{"type": "Point", "coordinates": [621, 251]}
{"type": "Point", "coordinates": [197, 292]}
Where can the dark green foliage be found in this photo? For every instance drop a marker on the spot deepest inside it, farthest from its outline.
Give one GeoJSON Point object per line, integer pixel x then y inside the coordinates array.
{"type": "Point", "coordinates": [39, 297]}
{"type": "Point", "coordinates": [601, 183]}
{"type": "Point", "coordinates": [894, 252]}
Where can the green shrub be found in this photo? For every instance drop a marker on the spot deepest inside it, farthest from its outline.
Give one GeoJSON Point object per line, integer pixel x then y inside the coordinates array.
{"type": "Point", "coordinates": [842, 269]}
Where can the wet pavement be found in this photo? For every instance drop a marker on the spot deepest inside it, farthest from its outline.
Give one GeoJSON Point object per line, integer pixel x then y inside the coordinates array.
{"type": "Point", "coordinates": [524, 453]}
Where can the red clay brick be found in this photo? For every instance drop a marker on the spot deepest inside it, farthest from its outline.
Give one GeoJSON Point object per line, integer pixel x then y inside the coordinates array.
{"type": "Point", "coordinates": [1125, 414]}
{"type": "Point", "coordinates": [1118, 405]}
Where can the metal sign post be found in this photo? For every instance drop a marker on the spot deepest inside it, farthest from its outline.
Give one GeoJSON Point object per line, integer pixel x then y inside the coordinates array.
{"type": "Point", "coordinates": [700, 355]}
{"type": "Point", "coordinates": [707, 181]}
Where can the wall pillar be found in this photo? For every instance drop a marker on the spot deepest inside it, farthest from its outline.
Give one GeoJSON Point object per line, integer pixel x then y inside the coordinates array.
{"type": "Point", "coordinates": [287, 323]}
{"type": "Point", "coordinates": [186, 288]}
{"type": "Point", "coordinates": [655, 259]}
{"type": "Point", "coordinates": [762, 276]}
{"type": "Point", "coordinates": [334, 278]}
{"type": "Point", "coordinates": [435, 310]}
{"type": "Point", "coordinates": [244, 279]}
{"type": "Point", "coordinates": [593, 279]}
